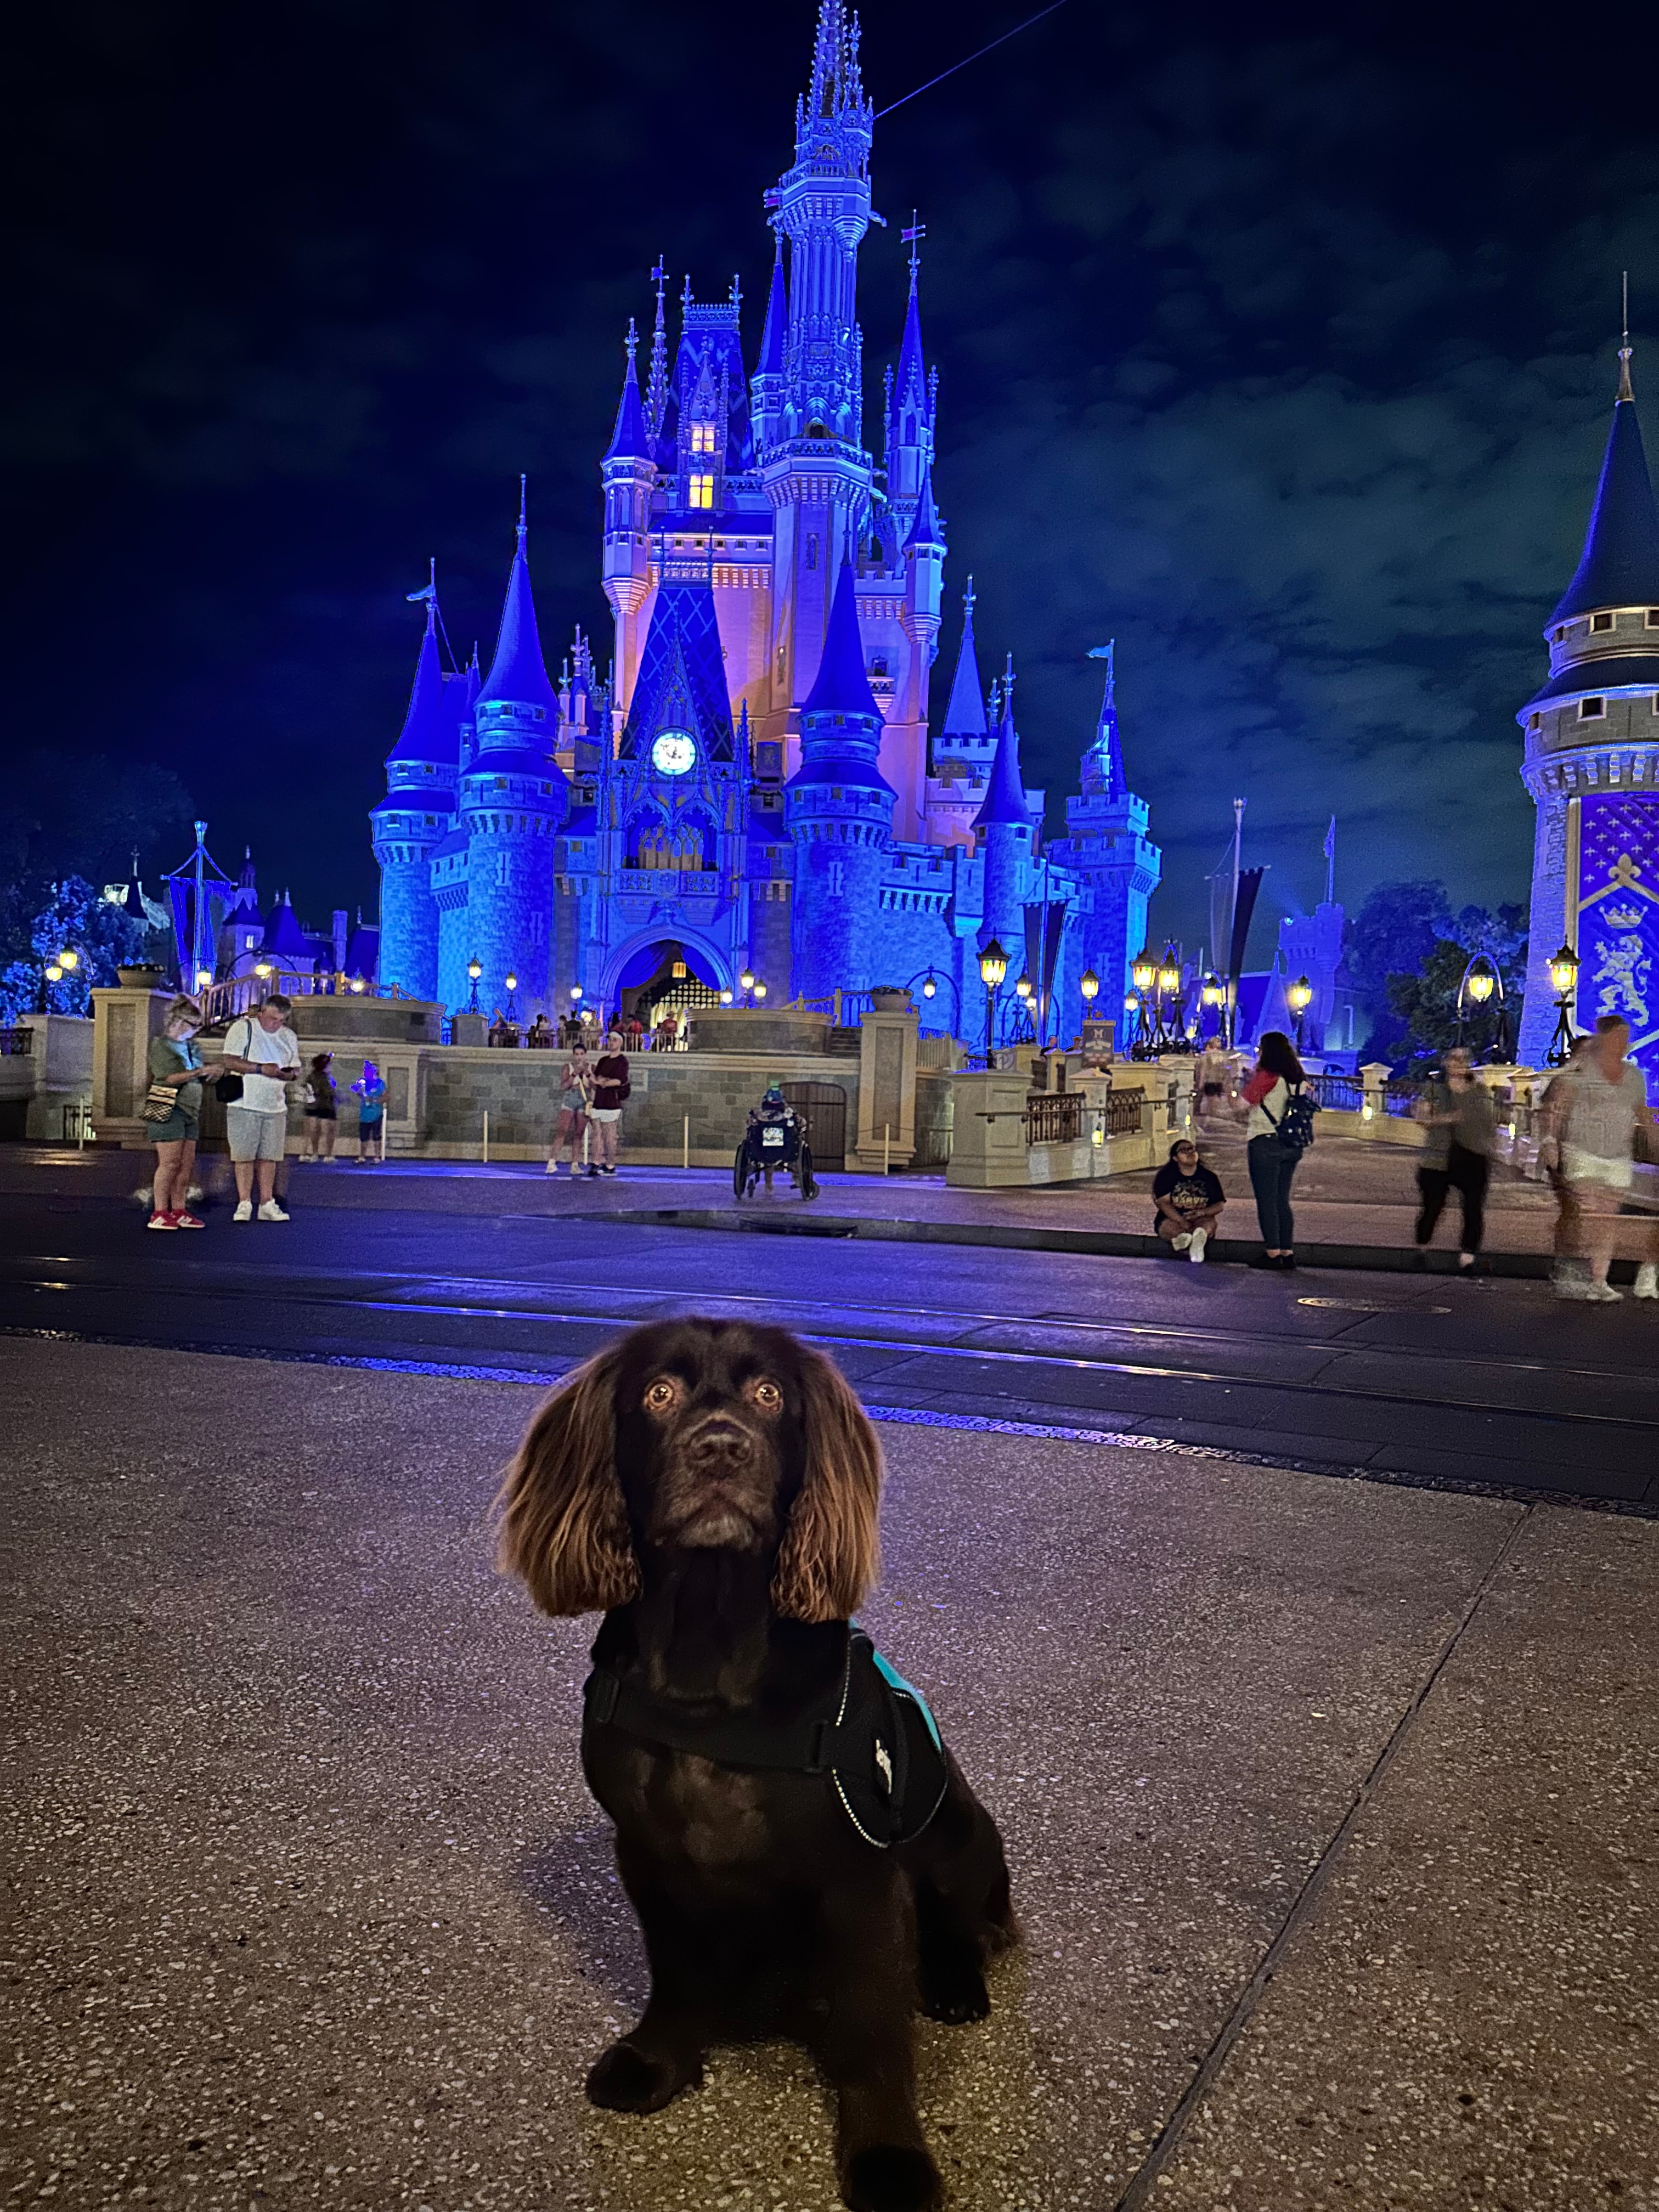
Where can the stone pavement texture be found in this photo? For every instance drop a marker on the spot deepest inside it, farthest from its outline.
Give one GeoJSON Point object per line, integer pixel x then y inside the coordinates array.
{"type": "Point", "coordinates": [310, 1907]}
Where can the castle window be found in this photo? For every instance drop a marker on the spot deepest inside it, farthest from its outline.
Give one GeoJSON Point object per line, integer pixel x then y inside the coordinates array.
{"type": "Point", "coordinates": [1653, 618]}
{"type": "Point", "coordinates": [503, 870]}
{"type": "Point", "coordinates": [1592, 710]}
{"type": "Point", "coordinates": [1536, 722]}
{"type": "Point", "coordinates": [701, 491]}
{"type": "Point", "coordinates": [811, 550]}
{"type": "Point", "coordinates": [1655, 702]}
{"type": "Point", "coordinates": [702, 438]}
{"type": "Point", "coordinates": [1601, 622]}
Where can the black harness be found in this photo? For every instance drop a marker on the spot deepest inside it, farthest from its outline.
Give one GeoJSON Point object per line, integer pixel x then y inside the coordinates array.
{"type": "Point", "coordinates": [873, 1740]}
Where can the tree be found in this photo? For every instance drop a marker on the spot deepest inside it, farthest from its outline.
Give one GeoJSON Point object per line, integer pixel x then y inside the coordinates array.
{"type": "Point", "coordinates": [78, 918]}
{"type": "Point", "coordinates": [1393, 933]}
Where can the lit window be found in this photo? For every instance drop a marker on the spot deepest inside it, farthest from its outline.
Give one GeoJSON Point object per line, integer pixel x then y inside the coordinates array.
{"type": "Point", "coordinates": [1601, 622]}
{"type": "Point", "coordinates": [1592, 710]}
{"type": "Point", "coordinates": [701, 492]}
{"type": "Point", "coordinates": [702, 437]}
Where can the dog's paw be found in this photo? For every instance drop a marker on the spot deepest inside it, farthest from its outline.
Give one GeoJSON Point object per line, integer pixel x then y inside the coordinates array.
{"type": "Point", "coordinates": [955, 1993]}
{"type": "Point", "coordinates": [892, 2178]}
{"type": "Point", "coordinates": [625, 2078]}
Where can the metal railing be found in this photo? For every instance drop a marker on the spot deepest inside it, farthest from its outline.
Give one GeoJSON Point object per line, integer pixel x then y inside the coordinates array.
{"type": "Point", "coordinates": [936, 1052]}
{"type": "Point", "coordinates": [226, 1001]}
{"type": "Point", "coordinates": [1343, 1094]}
{"type": "Point", "coordinates": [1400, 1098]}
{"type": "Point", "coordinates": [1122, 1112]}
{"type": "Point", "coordinates": [1054, 1117]}
{"type": "Point", "coordinates": [16, 1044]}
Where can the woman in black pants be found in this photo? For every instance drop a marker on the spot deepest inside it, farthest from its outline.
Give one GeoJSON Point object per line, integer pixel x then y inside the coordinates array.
{"type": "Point", "coordinates": [1272, 1164]}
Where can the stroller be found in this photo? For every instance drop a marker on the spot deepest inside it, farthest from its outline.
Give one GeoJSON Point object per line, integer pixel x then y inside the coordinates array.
{"type": "Point", "coordinates": [775, 1137]}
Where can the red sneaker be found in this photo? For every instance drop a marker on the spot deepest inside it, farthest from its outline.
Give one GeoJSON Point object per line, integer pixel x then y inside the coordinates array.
{"type": "Point", "coordinates": [162, 1221]}
{"type": "Point", "coordinates": [187, 1221]}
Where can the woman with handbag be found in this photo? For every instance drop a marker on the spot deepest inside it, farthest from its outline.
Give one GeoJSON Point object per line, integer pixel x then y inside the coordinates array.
{"type": "Point", "coordinates": [173, 1107]}
{"type": "Point", "coordinates": [1266, 1100]}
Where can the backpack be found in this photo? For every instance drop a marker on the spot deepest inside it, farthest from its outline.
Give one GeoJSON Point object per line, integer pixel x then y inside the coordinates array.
{"type": "Point", "coordinates": [1296, 1129]}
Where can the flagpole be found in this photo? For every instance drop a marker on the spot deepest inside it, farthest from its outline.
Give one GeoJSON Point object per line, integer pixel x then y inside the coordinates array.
{"type": "Point", "coordinates": [1233, 920]}
{"type": "Point", "coordinates": [1330, 863]}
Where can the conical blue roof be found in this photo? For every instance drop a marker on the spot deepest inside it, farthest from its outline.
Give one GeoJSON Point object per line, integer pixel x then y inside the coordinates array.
{"type": "Point", "coordinates": [682, 679]}
{"type": "Point", "coordinates": [517, 674]}
{"type": "Point", "coordinates": [911, 382]}
{"type": "Point", "coordinates": [842, 686]}
{"type": "Point", "coordinates": [1004, 795]}
{"type": "Point", "coordinates": [965, 714]}
{"type": "Point", "coordinates": [770, 362]}
{"type": "Point", "coordinates": [629, 441]}
{"type": "Point", "coordinates": [1620, 562]}
{"type": "Point", "coordinates": [925, 530]}
{"type": "Point", "coordinates": [284, 936]}
{"type": "Point", "coordinates": [430, 732]}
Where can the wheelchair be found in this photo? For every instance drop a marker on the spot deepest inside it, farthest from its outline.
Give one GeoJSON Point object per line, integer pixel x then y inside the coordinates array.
{"type": "Point", "coordinates": [768, 1146]}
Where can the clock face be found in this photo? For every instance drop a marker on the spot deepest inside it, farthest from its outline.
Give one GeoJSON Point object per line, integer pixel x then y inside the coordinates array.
{"type": "Point", "coordinates": [674, 753]}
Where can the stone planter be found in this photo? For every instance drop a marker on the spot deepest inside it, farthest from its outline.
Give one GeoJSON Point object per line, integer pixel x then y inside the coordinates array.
{"type": "Point", "coordinates": [144, 977]}
{"type": "Point", "coordinates": [889, 1002]}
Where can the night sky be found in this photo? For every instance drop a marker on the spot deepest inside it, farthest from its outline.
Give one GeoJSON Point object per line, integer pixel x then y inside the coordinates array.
{"type": "Point", "coordinates": [1285, 358]}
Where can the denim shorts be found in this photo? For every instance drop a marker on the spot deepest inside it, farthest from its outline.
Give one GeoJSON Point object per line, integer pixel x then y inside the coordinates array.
{"type": "Point", "coordinates": [179, 1128]}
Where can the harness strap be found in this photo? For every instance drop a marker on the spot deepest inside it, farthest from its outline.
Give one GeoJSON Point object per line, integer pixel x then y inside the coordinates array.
{"type": "Point", "coordinates": [811, 1746]}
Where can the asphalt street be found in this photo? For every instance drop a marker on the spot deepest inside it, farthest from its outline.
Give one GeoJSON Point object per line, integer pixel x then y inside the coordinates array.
{"type": "Point", "coordinates": [1438, 1380]}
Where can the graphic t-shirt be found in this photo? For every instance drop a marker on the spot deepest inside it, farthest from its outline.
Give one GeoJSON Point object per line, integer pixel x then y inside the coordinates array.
{"type": "Point", "coordinates": [1188, 1193]}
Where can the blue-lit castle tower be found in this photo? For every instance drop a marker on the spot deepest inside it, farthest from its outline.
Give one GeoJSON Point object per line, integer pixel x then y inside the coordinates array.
{"type": "Point", "coordinates": [1592, 765]}
{"type": "Point", "coordinates": [757, 783]}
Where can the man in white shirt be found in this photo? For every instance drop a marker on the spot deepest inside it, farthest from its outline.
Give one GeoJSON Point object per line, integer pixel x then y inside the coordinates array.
{"type": "Point", "coordinates": [264, 1052]}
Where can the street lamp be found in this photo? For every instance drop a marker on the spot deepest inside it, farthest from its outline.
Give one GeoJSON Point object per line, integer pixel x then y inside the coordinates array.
{"type": "Point", "coordinates": [1131, 1026]}
{"type": "Point", "coordinates": [725, 997]}
{"type": "Point", "coordinates": [930, 987]}
{"type": "Point", "coordinates": [759, 988]}
{"type": "Point", "coordinates": [358, 984]}
{"type": "Point", "coordinates": [68, 959]}
{"type": "Point", "coordinates": [1167, 974]}
{"type": "Point", "coordinates": [474, 968]}
{"type": "Point", "coordinates": [1480, 979]}
{"type": "Point", "coordinates": [1299, 997]}
{"type": "Point", "coordinates": [992, 967]}
{"type": "Point", "coordinates": [1563, 977]}
{"type": "Point", "coordinates": [512, 982]}
{"type": "Point", "coordinates": [1145, 971]}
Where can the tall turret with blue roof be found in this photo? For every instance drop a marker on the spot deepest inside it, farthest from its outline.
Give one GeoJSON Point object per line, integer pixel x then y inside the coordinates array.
{"type": "Point", "coordinates": [1004, 828]}
{"type": "Point", "coordinates": [416, 813]}
{"type": "Point", "coordinates": [1592, 763]}
{"type": "Point", "coordinates": [839, 815]}
{"type": "Point", "coordinates": [628, 474]}
{"type": "Point", "coordinates": [513, 797]}
{"type": "Point", "coordinates": [1108, 851]}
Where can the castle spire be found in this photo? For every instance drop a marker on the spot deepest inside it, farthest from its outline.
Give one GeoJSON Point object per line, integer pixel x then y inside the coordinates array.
{"type": "Point", "coordinates": [656, 388]}
{"type": "Point", "coordinates": [629, 440]}
{"type": "Point", "coordinates": [964, 714]}
{"type": "Point", "coordinates": [1005, 804]}
{"type": "Point", "coordinates": [518, 676]}
{"type": "Point", "coordinates": [823, 203]}
{"type": "Point", "coordinates": [925, 530]}
{"type": "Point", "coordinates": [1620, 565]}
{"type": "Point", "coordinates": [770, 362]}
{"type": "Point", "coordinates": [842, 686]}
{"type": "Point", "coordinates": [1103, 770]}
{"type": "Point", "coordinates": [429, 731]}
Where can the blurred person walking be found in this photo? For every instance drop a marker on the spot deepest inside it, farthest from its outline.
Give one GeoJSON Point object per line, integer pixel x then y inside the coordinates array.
{"type": "Point", "coordinates": [1456, 1111]}
{"type": "Point", "coordinates": [1567, 1270]}
{"type": "Point", "coordinates": [176, 1065]}
{"type": "Point", "coordinates": [575, 1096]}
{"type": "Point", "coordinates": [322, 1108]}
{"type": "Point", "coordinates": [611, 1088]}
{"type": "Point", "coordinates": [1274, 1144]}
{"type": "Point", "coordinates": [1592, 1138]}
{"type": "Point", "coordinates": [262, 1057]}
{"type": "Point", "coordinates": [1212, 1080]}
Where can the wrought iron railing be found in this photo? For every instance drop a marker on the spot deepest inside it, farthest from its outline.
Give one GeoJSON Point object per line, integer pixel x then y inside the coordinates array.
{"type": "Point", "coordinates": [1343, 1094]}
{"type": "Point", "coordinates": [225, 1001]}
{"type": "Point", "coordinates": [1054, 1117]}
{"type": "Point", "coordinates": [1400, 1098]}
{"type": "Point", "coordinates": [1122, 1112]}
{"type": "Point", "coordinates": [16, 1044]}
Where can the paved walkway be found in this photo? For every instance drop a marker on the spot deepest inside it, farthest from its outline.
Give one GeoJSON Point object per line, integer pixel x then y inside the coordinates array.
{"type": "Point", "coordinates": [1328, 1806]}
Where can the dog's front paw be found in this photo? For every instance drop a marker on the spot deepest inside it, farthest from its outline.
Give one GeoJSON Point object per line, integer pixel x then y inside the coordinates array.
{"type": "Point", "coordinates": [954, 1992]}
{"type": "Point", "coordinates": [892, 2178]}
{"type": "Point", "coordinates": [625, 2078]}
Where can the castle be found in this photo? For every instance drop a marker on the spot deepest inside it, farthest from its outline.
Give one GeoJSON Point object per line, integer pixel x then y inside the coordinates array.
{"type": "Point", "coordinates": [1592, 766]}
{"type": "Point", "coordinates": [757, 786]}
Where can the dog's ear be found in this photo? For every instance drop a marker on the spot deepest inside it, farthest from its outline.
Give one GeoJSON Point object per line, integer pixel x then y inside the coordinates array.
{"type": "Point", "coordinates": [831, 1549]}
{"type": "Point", "coordinates": [563, 1525]}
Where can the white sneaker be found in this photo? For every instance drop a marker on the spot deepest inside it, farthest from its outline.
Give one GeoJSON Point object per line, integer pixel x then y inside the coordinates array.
{"type": "Point", "coordinates": [552, 1167]}
{"type": "Point", "coordinates": [1602, 1294]}
{"type": "Point", "coordinates": [244, 1212]}
{"type": "Point", "coordinates": [1182, 1241]}
{"type": "Point", "coordinates": [1200, 1238]}
{"type": "Point", "coordinates": [271, 1212]}
{"type": "Point", "coordinates": [1647, 1280]}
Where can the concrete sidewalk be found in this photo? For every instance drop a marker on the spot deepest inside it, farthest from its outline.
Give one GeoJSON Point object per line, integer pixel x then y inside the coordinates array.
{"type": "Point", "coordinates": [1329, 1808]}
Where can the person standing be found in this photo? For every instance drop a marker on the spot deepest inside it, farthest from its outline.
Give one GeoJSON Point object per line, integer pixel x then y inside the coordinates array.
{"type": "Point", "coordinates": [1592, 1138]}
{"type": "Point", "coordinates": [322, 1108]}
{"type": "Point", "coordinates": [1213, 1073]}
{"type": "Point", "coordinates": [1265, 1101]}
{"type": "Point", "coordinates": [261, 1049]}
{"type": "Point", "coordinates": [1567, 1273]}
{"type": "Point", "coordinates": [1189, 1198]}
{"type": "Point", "coordinates": [538, 1038]}
{"type": "Point", "coordinates": [610, 1094]}
{"type": "Point", "coordinates": [371, 1116]}
{"type": "Point", "coordinates": [1458, 1114]}
{"type": "Point", "coordinates": [176, 1062]}
{"type": "Point", "coordinates": [575, 1096]}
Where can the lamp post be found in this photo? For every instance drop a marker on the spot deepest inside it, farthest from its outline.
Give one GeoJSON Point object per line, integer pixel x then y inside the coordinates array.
{"type": "Point", "coordinates": [511, 1009]}
{"type": "Point", "coordinates": [475, 969]}
{"type": "Point", "coordinates": [747, 984]}
{"type": "Point", "coordinates": [1564, 976]}
{"type": "Point", "coordinates": [1131, 1026]}
{"type": "Point", "coordinates": [1480, 979]}
{"type": "Point", "coordinates": [1215, 997]}
{"type": "Point", "coordinates": [929, 982]}
{"type": "Point", "coordinates": [1144, 969]}
{"type": "Point", "coordinates": [1169, 984]}
{"type": "Point", "coordinates": [992, 967]}
{"type": "Point", "coordinates": [1299, 997]}
{"type": "Point", "coordinates": [1088, 986]}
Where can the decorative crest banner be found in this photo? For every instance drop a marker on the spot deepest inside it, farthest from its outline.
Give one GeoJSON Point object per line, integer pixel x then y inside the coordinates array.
{"type": "Point", "coordinates": [1618, 904]}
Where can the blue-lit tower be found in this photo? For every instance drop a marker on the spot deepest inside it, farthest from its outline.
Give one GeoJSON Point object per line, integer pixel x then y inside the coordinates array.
{"type": "Point", "coordinates": [416, 813]}
{"type": "Point", "coordinates": [1108, 851]}
{"type": "Point", "coordinates": [1004, 828]}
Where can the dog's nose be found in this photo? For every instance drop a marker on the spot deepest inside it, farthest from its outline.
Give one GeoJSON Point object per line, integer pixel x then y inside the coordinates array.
{"type": "Point", "coordinates": [719, 1437]}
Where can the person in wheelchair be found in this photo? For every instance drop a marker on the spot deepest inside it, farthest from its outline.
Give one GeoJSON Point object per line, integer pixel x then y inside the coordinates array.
{"type": "Point", "coordinates": [775, 1137]}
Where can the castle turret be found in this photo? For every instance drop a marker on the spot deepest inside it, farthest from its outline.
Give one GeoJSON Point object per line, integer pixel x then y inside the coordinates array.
{"type": "Point", "coordinates": [514, 796]}
{"type": "Point", "coordinates": [909, 449]}
{"type": "Point", "coordinates": [416, 813]}
{"type": "Point", "coordinates": [629, 475]}
{"type": "Point", "coordinates": [839, 810]}
{"type": "Point", "coordinates": [1106, 849]}
{"type": "Point", "coordinates": [1003, 826]}
{"type": "Point", "coordinates": [767, 389]}
{"type": "Point", "coordinates": [1592, 761]}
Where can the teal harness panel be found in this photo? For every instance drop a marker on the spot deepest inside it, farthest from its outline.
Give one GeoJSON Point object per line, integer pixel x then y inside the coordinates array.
{"type": "Point", "coordinates": [874, 1741]}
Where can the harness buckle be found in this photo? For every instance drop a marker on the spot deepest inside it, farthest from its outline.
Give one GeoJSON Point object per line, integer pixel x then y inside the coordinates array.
{"type": "Point", "coordinates": [822, 1732]}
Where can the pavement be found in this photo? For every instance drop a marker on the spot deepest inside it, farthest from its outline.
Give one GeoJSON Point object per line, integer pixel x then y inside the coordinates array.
{"type": "Point", "coordinates": [1328, 1806]}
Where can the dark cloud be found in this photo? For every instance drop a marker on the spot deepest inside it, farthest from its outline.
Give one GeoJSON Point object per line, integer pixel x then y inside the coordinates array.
{"type": "Point", "coordinates": [1284, 359]}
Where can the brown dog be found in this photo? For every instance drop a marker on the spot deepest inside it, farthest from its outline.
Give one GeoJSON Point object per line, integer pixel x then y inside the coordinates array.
{"type": "Point", "coordinates": [805, 1857]}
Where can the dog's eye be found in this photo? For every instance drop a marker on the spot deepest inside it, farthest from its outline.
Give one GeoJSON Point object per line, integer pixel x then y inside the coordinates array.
{"type": "Point", "coordinates": [661, 1395]}
{"type": "Point", "coordinates": [766, 1393]}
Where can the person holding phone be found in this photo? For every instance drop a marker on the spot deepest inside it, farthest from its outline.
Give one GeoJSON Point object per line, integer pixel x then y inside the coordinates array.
{"type": "Point", "coordinates": [261, 1049]}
